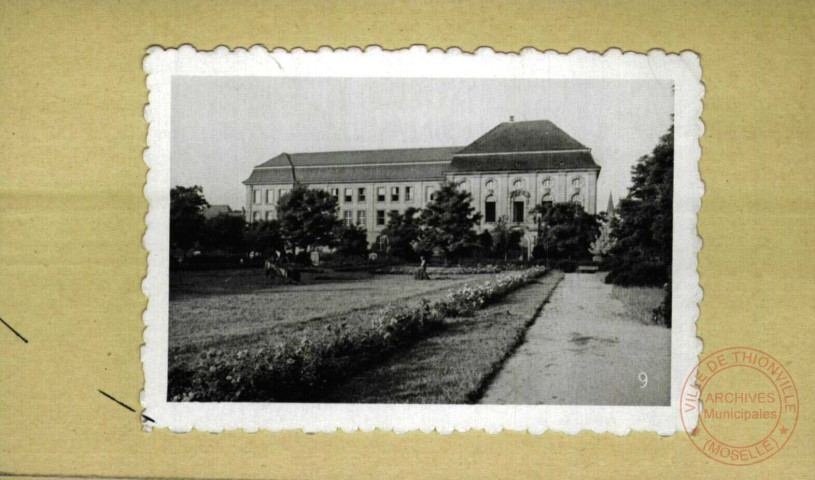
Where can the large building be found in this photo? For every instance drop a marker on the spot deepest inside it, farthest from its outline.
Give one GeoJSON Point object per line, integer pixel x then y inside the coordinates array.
{"type": "Point", "coordinates": [508, 170]}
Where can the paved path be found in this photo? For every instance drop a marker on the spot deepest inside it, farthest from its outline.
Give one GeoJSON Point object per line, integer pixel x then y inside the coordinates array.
{"type": "Point", "coordinates": [582, 350]}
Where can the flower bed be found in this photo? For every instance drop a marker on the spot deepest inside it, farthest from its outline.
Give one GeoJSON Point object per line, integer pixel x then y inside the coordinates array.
{"type": "Point", "coordinates": [457, 270]}
{"type": "Point", "coordinates": [300, 368]}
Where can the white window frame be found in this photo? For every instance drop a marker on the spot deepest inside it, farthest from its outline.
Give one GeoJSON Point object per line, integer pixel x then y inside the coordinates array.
{"type": "Point", "coordinates": [258, 196]}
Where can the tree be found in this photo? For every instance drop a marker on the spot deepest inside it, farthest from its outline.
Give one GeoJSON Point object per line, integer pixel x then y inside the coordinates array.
{"type": "Point", "coordinates": [402, 231]}
{"type": "Point", "coordinates": [447, 222]}
{"type": "Point", "coordinates": [351, 240]}
{"type": "Point", "coordinates": [504, 240]}
{"type": "Point", "coordinates": [264, 237]}
{"type": "Point", "coordinates": [602, 245]}
{"type": "Point", "coordinates": [308, 218]}
{"type": "Point", "coordinates": [484, 241]}
{"type": "Point", "coordinates": [187, 220]}
{"type": "Point", "coordinates": [224, 232]}
{"type": "Point", "coordinates": [643, 230]}
{"type": "Point", "coordinates": [568, 230]}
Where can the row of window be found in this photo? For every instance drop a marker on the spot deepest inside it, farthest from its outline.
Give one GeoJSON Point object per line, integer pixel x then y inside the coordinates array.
{"type": "Point", "coordinates": [381, 194]}
{"type": "Point", "coordinates": [361, 218]}
{"type": "Point", "coordinates": [519, 183]}
{"type": "Point", "coordinates": [396, 194]}
{"type": "Point", "coordinates": [258, 195]}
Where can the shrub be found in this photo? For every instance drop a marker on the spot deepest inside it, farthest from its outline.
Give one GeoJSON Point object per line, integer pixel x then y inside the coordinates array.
{"type": "Point", "coordinates": [642, 274]}
{"type": "Point", "coordinates": [566, 266]}
{"type": "Point", "coordinates": [662, 314]}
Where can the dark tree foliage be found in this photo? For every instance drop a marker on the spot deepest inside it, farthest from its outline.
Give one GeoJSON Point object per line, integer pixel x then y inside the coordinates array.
{"type": "Point", "coordinates": [264, 237]}
{"type": "Point", "coordinates": [448, 221]}
{"type": "Point", "coordinates": [402, 231]}
{"type": "Point", "coordinates": [224, 232]}
{"type": "Point", "coordinates": [187, 220]}
{"type": "Point", "coordinates": [351, 240]}
{"type": "Point", "coordinates": [644, 223]}
{"type": "Point", "coordinates": [566, 230]}
{"type": "Point", "coordinates": [308, 218]}
{"type": "Point", "coordinates": [485, 243]}
{"type": "Point", "coordinates": [504, 240]}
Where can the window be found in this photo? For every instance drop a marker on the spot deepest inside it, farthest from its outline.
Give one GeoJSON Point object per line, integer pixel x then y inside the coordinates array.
{"type": "Point", "coordinates": [394, 194]}
{"type": "Point", "coordinates": [408, 194]}
{"type": "Point", "coordinates": [518, 183]}
{"type": "Point", "coordinates": [380, 194]}
{"type": "Point", "coordinates": [282, 192]}
{"type": "Point", "coordinates": [258, 197]}
{"type": "Point", "coordinates": [490, 184]}
{"type": "Point", "coordinates": [361, 218]}
{"type": "Point", "coordinates": [489, 209]}
{"type": "Point", "coordinates": [335, 192]}
{"type": "Point", "coordinates": [360, 194]}
{"type": "Point", "coordinates": [255, 216]}
{"type": "Point", "coordinates": [577, 182]}
{"type": "Point", "coordinates": [349, 195]}
{"type": "Point", "coordinates": [380, 218]}
{"type": "Point", "coordinates": [429, 194]}
{"type": "Point", "coordinates": [269, 215]}
{"type": "Point", "coordinates": [393, 213]}
{"type": "Point", "coordinates": [547, 182]}
{"type": "Point", "coordinates": [348, 217]}
{"type": "Point", "coordinates": [518, 212]}
{"type": "Point", "coordinates": [578, 199]}
{"type": "Point", "coordinates": [463, 185]}
{"type": "Point", "coordinates": [270, 196]}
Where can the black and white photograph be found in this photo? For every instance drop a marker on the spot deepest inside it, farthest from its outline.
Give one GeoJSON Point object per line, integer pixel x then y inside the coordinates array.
{"type": "Point", "coordinates": [430, 241]}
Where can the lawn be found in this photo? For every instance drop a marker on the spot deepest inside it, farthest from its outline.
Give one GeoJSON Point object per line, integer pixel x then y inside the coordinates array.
{"type": "Point", "coordinates": [456, 364]}
{"type": "Point", "coordinates": [236, 308]}
{"type": "Point", "coordinates": [639, 302]}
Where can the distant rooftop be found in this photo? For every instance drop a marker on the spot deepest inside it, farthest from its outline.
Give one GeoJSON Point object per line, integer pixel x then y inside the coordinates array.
{"type": "Point", "coordinates": [511, 146]}
{"type": "Point", "coordinates": [531, 136]}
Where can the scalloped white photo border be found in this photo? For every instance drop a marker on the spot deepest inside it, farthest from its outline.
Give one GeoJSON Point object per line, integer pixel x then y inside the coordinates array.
{"type": "Point", "coordinates": [683, 69]}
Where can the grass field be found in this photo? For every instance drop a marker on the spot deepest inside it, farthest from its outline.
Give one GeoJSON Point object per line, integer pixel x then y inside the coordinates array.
{"type": "Point", "coordinates": [235, 308]}
{"type": "Point", "coordinates": [455, 365]}
{"type": "Point", "coordinates": [639, 302]}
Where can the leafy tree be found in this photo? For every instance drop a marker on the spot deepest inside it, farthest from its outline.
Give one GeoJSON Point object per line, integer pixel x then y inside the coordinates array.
{"type": "Point", "coordinates": [485, 243]}
{"type": "Point", "coordinates": [402, 231]}
{"type": "Point", "coordinates": [568, 230]}
{"type": "Point", "coordinates": [448, 221]}
{"type": "Point", "coordinates": [224, 232]}
{"type": "Point", "coordinates": [264, 237]}
{"type": "Point", "coordinates": [504, 240]}
{"type": "Point", "coordinates": [308, 218]}
{"type": "Point", "coordinates": [187, 220]}
{"type": "Point", "coordinates": [351, 240]}
{"type": "Point", "coordinates": [643, 230]}
{"type": "Point", "coordinates": [604, 243]}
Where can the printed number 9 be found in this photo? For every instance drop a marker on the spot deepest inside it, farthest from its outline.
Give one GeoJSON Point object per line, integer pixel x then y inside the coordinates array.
{"type": "Point", "coordinates": [644, 379]}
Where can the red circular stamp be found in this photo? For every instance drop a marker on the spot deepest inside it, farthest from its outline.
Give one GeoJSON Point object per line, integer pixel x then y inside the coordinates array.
{"type": "Point", "coordinates": [746, 404]}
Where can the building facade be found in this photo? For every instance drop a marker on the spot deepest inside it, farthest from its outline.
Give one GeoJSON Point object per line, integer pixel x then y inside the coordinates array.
{"type": "Point", "coordinates": [508, 171]}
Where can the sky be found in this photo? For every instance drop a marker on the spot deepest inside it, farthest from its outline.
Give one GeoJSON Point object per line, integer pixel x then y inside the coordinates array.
{"type": "Point", "coordinates": [223, 126]}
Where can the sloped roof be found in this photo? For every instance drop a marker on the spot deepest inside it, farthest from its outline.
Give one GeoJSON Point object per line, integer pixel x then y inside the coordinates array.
{"type": "Point", "coordinates": [215, 210]}
{"type": "Point", "coordinates": [356, 157]}
{"type": "Point", "coordinates": [531, 136]}
{"type": "Point", "coordinates": [524, 161]}
{"type": "Point", "coordinates": [350, 174]}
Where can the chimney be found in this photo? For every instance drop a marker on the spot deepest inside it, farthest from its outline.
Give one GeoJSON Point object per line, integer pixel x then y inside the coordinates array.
{"type": "Point", "coordinates": [512, 118]}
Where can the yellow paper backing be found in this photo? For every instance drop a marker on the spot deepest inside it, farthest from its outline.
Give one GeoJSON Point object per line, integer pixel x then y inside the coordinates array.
{"type": "Point", "coordinates": [72, 95]}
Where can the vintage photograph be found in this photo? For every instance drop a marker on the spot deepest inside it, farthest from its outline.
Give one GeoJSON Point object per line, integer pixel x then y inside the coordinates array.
{"type": "Point", "coordinates": [420, 241]}
{"type": "Point", "coordinates": [390, 240]}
